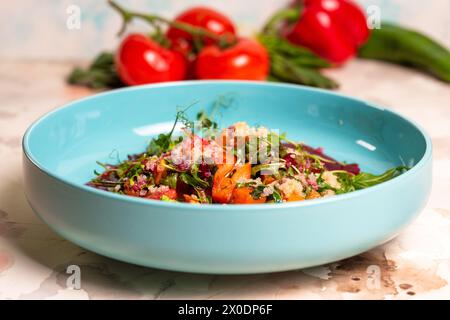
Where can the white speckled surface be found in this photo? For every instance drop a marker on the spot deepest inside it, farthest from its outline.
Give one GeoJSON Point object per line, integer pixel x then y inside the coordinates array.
{"type": "Point", "coordinates": [33, 259]}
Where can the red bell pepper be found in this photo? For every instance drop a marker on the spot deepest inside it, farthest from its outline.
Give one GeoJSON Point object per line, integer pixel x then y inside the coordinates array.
{"type": "Point", "coordinates": [333, 29]}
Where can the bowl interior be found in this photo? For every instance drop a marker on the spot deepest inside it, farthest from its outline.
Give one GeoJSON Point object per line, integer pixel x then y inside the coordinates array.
{"type": "Point", "coordinates": [107, 127]}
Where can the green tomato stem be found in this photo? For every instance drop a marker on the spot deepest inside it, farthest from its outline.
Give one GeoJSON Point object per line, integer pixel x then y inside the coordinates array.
{"type": "Point", "coordinates": [223, 40]}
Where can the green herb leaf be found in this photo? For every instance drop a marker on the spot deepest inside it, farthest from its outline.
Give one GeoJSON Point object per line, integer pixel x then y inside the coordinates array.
{"type": "Point", "coordinates": [170, 180]}
{"type": "Point", "coordinates": [200, 182]}
{"type": "Point", "coordinates": [206, 121]}
{"type": "Point", "coordinates": [193, 181]}
{"type": "Point", "coordinates": [364, 180]}
{"type": "Point", "coordinates": [257, 192]}
{"type": "Point", "coordinates": [164, 141]}
{"type": "Point", "coordinates": [100, 74]}
{"type": "Point", "coordinates": [161, 144]}
{"type": "Point", "coordinates": [276, 195]}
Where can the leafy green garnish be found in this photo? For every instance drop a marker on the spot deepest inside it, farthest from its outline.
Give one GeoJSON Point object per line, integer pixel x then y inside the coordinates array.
{"type": "Point", "coordinates": [162, 144]}
{"type": "Point", "coordinates": [257, 192]}
{"type": "Point", "coordinates": [364, 180]}
{"type": "Point", "coordinates": [199, 185]}
{"type": "Point", "coordinates": [164, 141]}
{"type": "Point", "coordinates": [170, 180]}
{"type": "Point", "coordinates": [276, 195]}
{"type": "Point", "coordinates": [206, 121]}
{"type": "Point", "coordinates": [193, 180]}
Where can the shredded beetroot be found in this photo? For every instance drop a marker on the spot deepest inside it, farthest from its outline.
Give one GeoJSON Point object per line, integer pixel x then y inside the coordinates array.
{"type": "Point", "coordinates": [351, 168]}
{"type": "Point", "coordinates": [183, 166]}
{"type": "Point", "coordinates": [290, 160]}
{"type": "Point", "coordinates": [204, 170]}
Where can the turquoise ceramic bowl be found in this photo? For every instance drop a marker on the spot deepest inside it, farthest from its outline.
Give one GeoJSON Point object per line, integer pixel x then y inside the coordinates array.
{"type": "Point", "coordinates": [61, 149]}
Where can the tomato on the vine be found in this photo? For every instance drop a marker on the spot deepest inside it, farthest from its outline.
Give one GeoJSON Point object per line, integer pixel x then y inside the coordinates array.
{"type": "Point", "coordinates": [202, 17]}
{"type": "Point", "coordinates": [141, 60]}
{"type": "Point", "coordinates": [245, 60]}
{"type": "Point", "coordinates": [205, 18]}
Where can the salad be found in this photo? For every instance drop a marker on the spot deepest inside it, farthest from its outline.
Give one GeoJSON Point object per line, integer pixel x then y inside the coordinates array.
{"type": "Point", "coordinates": [239, 164]}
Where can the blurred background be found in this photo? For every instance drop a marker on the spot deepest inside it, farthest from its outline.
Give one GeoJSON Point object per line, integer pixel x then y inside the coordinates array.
{"type": "Point", "coordinates": [37, 29]}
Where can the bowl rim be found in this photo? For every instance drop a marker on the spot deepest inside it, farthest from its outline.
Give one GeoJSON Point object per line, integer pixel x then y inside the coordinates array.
{"type": "Point", "coordinates": [426, 158]}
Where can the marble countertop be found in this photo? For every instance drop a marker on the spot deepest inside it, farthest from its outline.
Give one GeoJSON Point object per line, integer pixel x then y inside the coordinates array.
{"type": "Point", "coordinates": [34, 260]}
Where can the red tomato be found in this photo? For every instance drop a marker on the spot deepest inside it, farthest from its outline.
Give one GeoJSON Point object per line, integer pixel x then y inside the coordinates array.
{"type": "Point", "coordinates": [246, 60]}
{"type": "Point", "coordinates": [141, 60]}
{"type": "Point", "coordinates": [171, 194]}
{"type": "Point", "coordinates": [202, 17]}
{"type": "Point", "coordinates": [185, 48]}
{"type": "Point", "coordinates": [182, 46]}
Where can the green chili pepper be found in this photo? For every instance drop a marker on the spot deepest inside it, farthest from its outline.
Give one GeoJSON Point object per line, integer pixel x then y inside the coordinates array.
{"type": "Point", "coordinates": [407, 47]}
